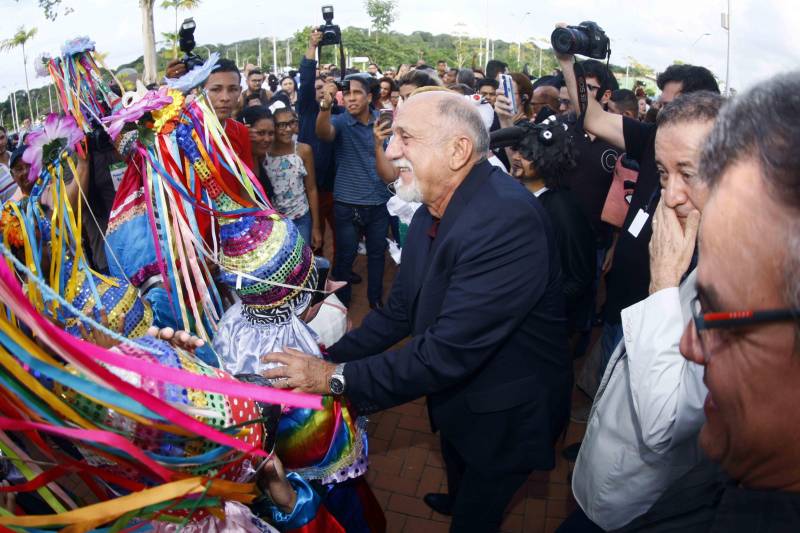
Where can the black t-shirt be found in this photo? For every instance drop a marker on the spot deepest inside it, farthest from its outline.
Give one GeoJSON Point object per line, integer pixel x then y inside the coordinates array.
{"type": "Point", "coordinates": [591, 178]}
{"type": "Point", "coordinates": [628, 281]}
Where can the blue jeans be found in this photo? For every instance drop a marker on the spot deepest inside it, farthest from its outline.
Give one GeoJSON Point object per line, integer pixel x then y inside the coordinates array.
{"type": "Point", "coordinates": [303, 224]}
{"type": "Point", "coordinates": [351, 220]}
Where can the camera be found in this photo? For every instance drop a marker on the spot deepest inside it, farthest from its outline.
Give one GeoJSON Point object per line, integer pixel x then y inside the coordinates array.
{"type": "Point", "coordinates": [187, 44]}
{"type": "Point", "coordinates": [331, 34]}
{"type": "Point", "coordinates": [586, 39]}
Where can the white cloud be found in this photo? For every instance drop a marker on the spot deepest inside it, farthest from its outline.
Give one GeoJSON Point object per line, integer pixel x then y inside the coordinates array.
{"type": "Point", "coordinates": [763, 30]}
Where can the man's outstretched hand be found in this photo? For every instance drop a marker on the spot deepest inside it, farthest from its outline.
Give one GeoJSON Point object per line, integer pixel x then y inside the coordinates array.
{"type": "Point", "coordinates": [300, 371]}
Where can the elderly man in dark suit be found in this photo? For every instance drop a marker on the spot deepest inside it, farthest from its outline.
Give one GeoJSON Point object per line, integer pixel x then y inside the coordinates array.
{"type": "Point", "coordinates": [479, 292]}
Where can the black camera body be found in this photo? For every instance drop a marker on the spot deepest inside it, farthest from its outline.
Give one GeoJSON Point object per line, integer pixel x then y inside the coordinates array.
{"type": "Point", "coordinates": [187, 44]}
{"type": "Point", "coordinates": [331, 33]}
{"type": "Point", "coordinates": [586, 39]}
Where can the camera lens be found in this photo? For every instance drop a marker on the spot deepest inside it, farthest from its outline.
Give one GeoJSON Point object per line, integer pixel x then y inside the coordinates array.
{"type": "Point", "coordinates": [569, 41]}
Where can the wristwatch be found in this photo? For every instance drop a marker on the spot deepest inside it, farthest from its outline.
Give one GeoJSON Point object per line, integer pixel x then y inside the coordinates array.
{"type": "Point", "coordinates": [323, 107]}
{"type": "Point", "coordinates": [336, 382]}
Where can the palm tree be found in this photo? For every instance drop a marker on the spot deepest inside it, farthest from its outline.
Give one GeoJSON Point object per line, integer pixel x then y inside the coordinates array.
{"type": "Point", "coordinates": [149, 41]}
{"type": "Point", "coordinates": [18, 40]}
{"type": "Point", "coordinates": [177, 5]}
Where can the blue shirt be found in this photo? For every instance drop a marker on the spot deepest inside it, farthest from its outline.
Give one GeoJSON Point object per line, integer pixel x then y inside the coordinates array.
{"type": "Point", "coordinates": [357, 181]}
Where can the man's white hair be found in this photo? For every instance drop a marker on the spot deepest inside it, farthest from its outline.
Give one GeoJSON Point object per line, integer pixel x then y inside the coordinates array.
{"type": "Point", "coordinates": [456, 115]}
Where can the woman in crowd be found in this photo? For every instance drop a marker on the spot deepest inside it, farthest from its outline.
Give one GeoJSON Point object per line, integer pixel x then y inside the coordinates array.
{"type": "Point", "coordinates": [523, 94]}
{"type": "Point", "coordinates": [290, 168]}
{"type": "Point", "coordinates": [262, 132]}
{"type": "Point", "coordinates": [385, 99]}
{"type": "Point", "coordinates": [289, 87]}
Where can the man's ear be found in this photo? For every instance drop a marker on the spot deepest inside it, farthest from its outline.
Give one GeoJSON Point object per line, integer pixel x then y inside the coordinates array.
{"type": "Point", "coordinates": [460, 152]}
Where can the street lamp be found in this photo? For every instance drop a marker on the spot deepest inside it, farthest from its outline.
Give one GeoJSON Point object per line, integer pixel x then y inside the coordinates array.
{"type": "Point", "coordinates": [540, 42]}
{"type": "Point", "coordinates": [726, 25]}
{"type": "Point", "coordinates": [698, 39]}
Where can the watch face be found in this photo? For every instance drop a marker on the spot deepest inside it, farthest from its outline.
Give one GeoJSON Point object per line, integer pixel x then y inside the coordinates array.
{"type": "Point", "coordinates": [337, 385]}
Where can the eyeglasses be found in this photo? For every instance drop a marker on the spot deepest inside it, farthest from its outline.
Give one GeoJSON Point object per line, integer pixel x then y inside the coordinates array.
{"type": "Point", "coordinates": [565, 102]}
{"type": "Point", "coordinates": [285, 125]}
{"type": "Point", "coordinates": [592, 88]}
{"type": "Point", "coordinates": [708, 325]}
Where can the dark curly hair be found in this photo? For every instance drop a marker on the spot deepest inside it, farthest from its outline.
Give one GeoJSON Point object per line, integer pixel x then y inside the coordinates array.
{"type": "Point", "coordinates": [548, 145]}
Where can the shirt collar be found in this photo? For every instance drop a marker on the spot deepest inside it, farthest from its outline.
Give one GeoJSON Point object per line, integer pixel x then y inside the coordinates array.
{"type": "Point", "coordinates": [351, 120]}
{"type": "Point", "coordinates": [540, 192]}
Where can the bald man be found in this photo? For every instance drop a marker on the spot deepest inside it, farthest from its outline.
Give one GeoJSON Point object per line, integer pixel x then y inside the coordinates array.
{"type": "Point", "coordinates": [479, 293]}
{"type": "Point", "coordinates": [546, 95]}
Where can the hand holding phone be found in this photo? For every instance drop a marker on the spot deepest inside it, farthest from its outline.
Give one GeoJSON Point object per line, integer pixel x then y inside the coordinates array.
{"type": "Point", "coordinates": [507, 84]}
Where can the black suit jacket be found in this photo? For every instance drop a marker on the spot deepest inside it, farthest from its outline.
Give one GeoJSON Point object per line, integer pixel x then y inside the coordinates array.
{"type": "Point", "coordinates": [484, 305]}
{"type": "Point", "coordinates": [576, 246]}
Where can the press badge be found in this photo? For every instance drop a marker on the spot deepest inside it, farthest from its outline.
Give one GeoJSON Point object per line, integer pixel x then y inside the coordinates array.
{"type": "Point", "coordinates": [638, 223]}
{"type": "Point", "coordinates": [117, 171]}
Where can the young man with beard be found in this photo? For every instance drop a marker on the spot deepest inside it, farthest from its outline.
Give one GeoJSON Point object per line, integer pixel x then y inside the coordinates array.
{"type": "Point", "coordinates": [541, 158]}
{"type": "Point", "coordinates": [359, 194]}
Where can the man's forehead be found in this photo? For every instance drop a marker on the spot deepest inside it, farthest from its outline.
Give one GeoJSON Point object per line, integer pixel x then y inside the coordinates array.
{"type": "Point", "coordinates": [223, 78]}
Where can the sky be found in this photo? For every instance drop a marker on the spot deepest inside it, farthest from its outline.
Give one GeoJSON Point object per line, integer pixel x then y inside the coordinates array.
{"type": "Point", "coordinates": [763, 32]}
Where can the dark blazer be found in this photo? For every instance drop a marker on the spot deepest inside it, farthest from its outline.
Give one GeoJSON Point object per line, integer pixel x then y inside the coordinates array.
{"type": "Point", "coordinates": [484, 305]}
{"type": "Point", "coordinates": [576, 246]}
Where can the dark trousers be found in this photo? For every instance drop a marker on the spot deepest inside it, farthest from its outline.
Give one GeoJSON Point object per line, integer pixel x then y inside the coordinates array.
{"type": "Point", "coordinates": [479, 500]}
{"type": "Point", "coordinates": [351, 220]}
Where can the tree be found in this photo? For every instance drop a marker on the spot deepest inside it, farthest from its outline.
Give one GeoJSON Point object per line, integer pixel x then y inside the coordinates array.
{"type": "Point", "coordinates": [18, 40]}
{"type": "Point", "coordinates": [381, 12]}
{"type": "Point", "coordinates": [177, 5]}
{"type": "Point", "coordinates": [149, 41]}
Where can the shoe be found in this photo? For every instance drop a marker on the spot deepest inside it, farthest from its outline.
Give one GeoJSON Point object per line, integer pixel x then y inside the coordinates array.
{"type": "Point", "coordinates": [439, 502]}
{"type": "Point", "coordinates": [355, 279]}
{"type": "Point", "coordinates": [570, 453]}
{"type": "Point", "coordinates": [377, 304]}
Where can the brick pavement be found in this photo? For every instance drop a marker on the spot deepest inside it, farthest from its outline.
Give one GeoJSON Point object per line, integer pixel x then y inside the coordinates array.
{"type": "Point", "coordinates": [405, 462]}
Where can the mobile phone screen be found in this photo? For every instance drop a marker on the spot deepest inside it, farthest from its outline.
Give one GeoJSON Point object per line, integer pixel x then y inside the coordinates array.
{"type": "Point", "coordinates": [386, 118]}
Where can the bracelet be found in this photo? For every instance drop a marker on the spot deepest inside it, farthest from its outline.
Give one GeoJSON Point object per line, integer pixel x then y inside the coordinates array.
{"type": "Point", "coordinates": [322, 107]}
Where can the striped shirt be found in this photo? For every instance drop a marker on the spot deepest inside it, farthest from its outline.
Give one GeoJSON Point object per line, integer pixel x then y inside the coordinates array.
{"type": "Point", "coordinates": [7, 184]}
{"type": "Point", "coordinates": [357, 181]}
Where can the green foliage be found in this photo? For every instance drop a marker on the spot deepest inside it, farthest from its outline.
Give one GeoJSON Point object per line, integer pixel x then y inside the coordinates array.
{"type": "Point", "coordinates": [392, 50]}
{"type": "Point", "coordinates": [381, 13]}
{"type": "Point", "coordinates": [20, 38]}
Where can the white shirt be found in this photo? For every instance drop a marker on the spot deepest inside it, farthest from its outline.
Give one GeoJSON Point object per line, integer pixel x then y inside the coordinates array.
{"type": "Point", "coordinates": [642, 431]}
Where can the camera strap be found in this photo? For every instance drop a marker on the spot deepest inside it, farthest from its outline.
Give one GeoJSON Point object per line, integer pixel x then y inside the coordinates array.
{"type": "Point", "coordinates": [342, 66]}
{"type": "Point", "coordinates": [583, 95]}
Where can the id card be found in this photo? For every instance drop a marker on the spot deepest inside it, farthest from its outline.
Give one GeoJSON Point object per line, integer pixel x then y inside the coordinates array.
{"type": "Point", "coordinates": [638, 223]}
{"type": "Point", "coordinates": [117, 171]}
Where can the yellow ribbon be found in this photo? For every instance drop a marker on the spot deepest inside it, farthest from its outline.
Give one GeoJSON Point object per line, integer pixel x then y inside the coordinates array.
{"type": "Point", "coordinates": [89, 517]}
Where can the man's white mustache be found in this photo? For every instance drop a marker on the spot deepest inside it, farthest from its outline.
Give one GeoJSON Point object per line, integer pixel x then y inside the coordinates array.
{"type": "Point", "coordinates": [399, 163]}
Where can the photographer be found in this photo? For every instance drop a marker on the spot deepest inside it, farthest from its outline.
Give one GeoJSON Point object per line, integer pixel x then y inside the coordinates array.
{"type": "Point", "coordinates": [309, 96]}
{"type": "Point", "coordinates": [540, 160]}
{"type": "Point", "coordinates": [629, 278]}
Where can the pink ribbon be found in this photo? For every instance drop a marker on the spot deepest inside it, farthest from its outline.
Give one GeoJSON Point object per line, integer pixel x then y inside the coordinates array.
{"type": "Point", "coordinates": [92, 435]}
{"type": "Point", "coordinates": [86, 355]}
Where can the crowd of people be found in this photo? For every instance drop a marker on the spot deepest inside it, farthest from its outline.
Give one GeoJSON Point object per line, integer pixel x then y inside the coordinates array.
{"type": "Point", "coordinates": [525, 217]}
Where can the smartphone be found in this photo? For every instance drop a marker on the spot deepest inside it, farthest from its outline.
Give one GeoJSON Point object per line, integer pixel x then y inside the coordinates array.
{"type": "Point", "coordinates": [386, 118]}
{"type": "Point", "coordinates": [507, 84]}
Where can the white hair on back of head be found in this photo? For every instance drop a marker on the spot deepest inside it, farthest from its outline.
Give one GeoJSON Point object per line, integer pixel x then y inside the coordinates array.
{"type": "Point", "coordinates": [460, 116]}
